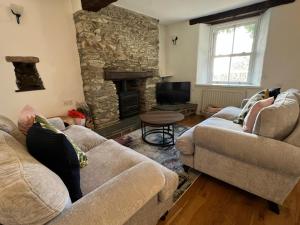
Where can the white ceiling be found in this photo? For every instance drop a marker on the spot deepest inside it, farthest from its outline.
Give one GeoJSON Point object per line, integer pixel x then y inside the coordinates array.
{"type": "Point", "coordinates": [171, 11]}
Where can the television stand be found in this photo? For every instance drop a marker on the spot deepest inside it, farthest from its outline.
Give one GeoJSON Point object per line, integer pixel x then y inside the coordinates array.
{"type": "Point", "coordinates": [187, 109]}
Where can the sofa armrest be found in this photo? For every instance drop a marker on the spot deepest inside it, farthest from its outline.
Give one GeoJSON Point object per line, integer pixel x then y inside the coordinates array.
{"type": "Point", "coordinates": [117, 200]}
{"type": "Point", "coordinates": [250, 148]}
{"type": "Point", "coordinates": [185, 143]}
{"type": "Point", "coordinates": [85, 138]}
{"type": "Point", "coordinates": [57, 123]}
{"type": "Point", "coordinates": [244, 102]}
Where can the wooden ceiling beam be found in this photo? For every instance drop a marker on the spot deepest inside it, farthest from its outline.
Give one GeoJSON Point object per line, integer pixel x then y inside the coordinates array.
{"type": "Point", "coordinates": [242, 12]}
{"type": "Point", "coordinates": [95, 5]}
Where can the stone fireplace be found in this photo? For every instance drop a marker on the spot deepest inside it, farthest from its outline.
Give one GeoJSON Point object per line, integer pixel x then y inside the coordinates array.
{"type": "Point", "coordinates": [123, 44]}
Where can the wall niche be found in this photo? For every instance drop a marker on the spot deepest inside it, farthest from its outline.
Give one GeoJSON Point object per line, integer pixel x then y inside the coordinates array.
{"type": "Point", "coordinates": [27, 76]}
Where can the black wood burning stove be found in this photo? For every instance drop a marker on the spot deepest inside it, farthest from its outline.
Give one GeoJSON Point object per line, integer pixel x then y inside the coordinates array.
{"type": "Point", "coordinates": [128, 101]}
{"type": "Point", "coordinates": [130, 89]}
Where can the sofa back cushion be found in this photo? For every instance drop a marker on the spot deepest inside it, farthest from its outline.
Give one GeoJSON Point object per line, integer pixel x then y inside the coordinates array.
{"type": "Point", "coordinates": [9, 127]}
{"type": "Point", "coordinates": [278, 120]}
{"type": "Point", "coordinates": [294, 137]}
{"type": "Point", "coordinates": [30, 193]}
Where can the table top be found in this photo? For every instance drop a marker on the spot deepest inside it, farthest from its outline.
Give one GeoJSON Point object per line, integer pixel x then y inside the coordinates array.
{"type": "Point", "coordinates": [161, 117]}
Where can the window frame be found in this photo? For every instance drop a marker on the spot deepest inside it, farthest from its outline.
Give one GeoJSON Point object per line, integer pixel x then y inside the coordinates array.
{"type": "Point", "coordinates": [212, 47]}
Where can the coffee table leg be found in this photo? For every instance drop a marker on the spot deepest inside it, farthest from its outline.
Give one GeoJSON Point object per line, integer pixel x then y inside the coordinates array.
{"type": "Point", "coordinates": [163, 135]}
{"type": "Point", "coordinates": [173, 134]}
{"type": "Point", "coordinates": [143, 131]}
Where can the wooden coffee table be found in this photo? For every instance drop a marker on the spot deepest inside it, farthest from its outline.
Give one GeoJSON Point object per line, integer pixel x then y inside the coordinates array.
{"type": "Point", "coordinates": [160, 122]}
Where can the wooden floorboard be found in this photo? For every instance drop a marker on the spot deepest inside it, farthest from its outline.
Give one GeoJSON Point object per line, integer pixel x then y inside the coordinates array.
{"type": "Point", "coordinates": [212, 202]}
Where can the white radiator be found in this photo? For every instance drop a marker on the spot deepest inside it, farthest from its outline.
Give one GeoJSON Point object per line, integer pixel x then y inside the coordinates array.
{"type": "Point", "coordinates": [222, 98]}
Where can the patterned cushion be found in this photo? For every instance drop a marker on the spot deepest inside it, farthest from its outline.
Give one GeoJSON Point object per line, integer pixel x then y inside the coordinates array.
{"type": "Point", "coordinates": [255, 98]}
{"type": "Point", "coordinates": [83, 160]}
{"type": "Point", "coordinates": [30, 193]}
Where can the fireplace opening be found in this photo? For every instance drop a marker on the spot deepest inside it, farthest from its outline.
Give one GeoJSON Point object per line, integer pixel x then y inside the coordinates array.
{"type": "Point", "coordinates": [131, 91]}
{"type": "Point", "coordinates": [128, 93]}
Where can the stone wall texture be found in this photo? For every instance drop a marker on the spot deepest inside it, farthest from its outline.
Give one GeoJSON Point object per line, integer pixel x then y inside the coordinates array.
{"type": "Point", "coordinates": [119, 40]}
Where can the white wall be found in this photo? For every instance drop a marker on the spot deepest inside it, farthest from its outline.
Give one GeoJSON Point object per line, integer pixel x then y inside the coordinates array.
{"type": "Point", "coordinates": [76, 5]}
{"type": "Point", "coordinates": [282, 57]}
{"type": "Point", "coordinates": [47, 31]}
{"type": "Point", "coordinates": [181, 59]}
{"type": "Point", "coordinates": [162, 49]}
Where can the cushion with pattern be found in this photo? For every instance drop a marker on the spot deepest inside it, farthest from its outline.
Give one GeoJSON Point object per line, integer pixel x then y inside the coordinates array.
{"type": "Point", "coordinates": [255, 98]}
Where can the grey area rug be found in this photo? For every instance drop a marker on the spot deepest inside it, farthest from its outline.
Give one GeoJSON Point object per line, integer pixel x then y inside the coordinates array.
{"type": "Point", "coordinates": [166, 156]}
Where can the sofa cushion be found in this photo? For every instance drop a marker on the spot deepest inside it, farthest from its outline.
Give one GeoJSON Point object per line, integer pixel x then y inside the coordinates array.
{"type": "Point", "coordinates": [255, 109]}
{"type": "Point", "coordinates": [83, 160]}
{"type": "Point", "coordinates": [294, 137]}
{"type": "Point", "coordinates": [9, 127]}
{"type": "Point", "coordinates": [56, 152]}
{"type": "Point", "coordinates": [31, 194]}
{"type": "Point", "coordinates": [222, 123]}
{"type": "Point", "coordinates": [228, 113]}
{"type": "Point", "coordinates": [57, 122]}
{"type": "Point", "coordinates": [26, 118]}
{"type": "Point", "coordinates": [293, 94]}
{"type": "Point", "coordinates": [85, 138]}
{"type": "Point", "coordinates": [258, 96]}
{"type": "Point", "coordinates": [111, 159]}
{"type": "Point", "coordinates": [278, 120]}
{"type": "Point", "coordinates": [186, 143]}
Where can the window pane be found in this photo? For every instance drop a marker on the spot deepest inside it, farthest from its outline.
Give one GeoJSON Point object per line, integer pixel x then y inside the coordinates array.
{"type": "Point", "coordinates": [239, 69]}
{"type": "Point", "coordinates": [224, 41]}
{"type": "Point", "coordinates": [221, 69]}
{"type": "Point", "coordinates": [243, 39]}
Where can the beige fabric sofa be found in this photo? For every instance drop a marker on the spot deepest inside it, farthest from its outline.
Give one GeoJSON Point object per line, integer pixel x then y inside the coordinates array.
{"type": "Point", "coordinates": [265, 163]}
{"type": "Point", "coordinates": [119, 185]}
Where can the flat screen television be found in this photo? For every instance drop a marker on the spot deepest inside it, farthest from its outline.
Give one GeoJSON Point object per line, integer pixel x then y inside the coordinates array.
{"type": "Point", "coordinates": [170, 93]}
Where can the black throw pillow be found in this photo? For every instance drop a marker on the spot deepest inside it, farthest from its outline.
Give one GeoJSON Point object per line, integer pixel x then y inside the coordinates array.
{"type": "Point", "coordinates": [274, 92]}
{"type": "Point", "coordinates": [55, 151]}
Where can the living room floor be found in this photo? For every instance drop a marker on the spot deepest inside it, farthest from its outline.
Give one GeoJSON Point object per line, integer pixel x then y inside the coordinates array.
{"type": "Point", "coordinates": [212, 202]}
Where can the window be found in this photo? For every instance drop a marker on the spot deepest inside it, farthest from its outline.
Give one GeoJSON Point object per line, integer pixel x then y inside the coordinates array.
{"type": "Point", "coordinates": [233, 52]}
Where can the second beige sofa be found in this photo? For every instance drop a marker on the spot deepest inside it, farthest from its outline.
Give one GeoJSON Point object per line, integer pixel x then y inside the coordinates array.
{"type": "Point", "coordinates": [265, 162]}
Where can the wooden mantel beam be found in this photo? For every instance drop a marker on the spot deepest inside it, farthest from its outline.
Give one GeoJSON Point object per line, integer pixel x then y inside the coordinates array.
{"type": "Point", "coordinates": [115, 75]}
{"type": "Point", "coordinates": [240, 13]}
{"type": "Point", "coordinates": [95, 5]}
